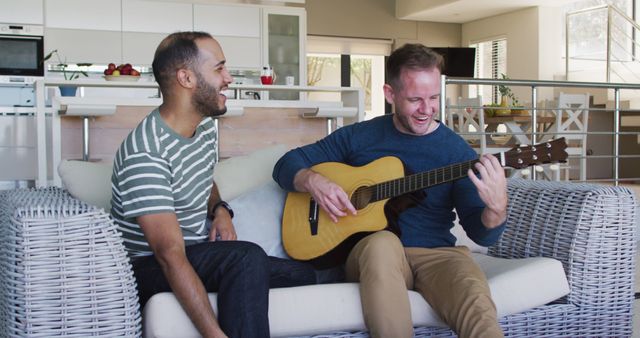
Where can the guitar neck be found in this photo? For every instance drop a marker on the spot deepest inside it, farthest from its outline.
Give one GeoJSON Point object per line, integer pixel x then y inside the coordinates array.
{"type": "Point", "coordinates": [415, 182]}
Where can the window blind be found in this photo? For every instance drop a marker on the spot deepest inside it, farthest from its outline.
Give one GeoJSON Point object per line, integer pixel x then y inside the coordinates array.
{"type": "Point", "coordinates": [491, 62]}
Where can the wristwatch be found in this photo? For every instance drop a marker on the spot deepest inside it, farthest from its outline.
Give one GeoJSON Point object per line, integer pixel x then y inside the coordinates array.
{"type": "Point", "coordinates": [220, 204]}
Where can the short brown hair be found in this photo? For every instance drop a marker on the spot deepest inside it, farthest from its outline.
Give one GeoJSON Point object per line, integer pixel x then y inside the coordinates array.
{"type": "Point", "coordinates": [176, 51]}
{"type": "Point", "coordinates": [411, 56]}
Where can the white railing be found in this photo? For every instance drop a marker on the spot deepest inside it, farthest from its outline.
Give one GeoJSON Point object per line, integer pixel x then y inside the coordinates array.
{"type": "Point", "coordinates": [535, 135]}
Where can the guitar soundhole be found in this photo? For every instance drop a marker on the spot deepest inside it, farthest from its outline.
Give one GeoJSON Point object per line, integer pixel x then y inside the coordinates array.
{"type": "Point", "coordinates": [361, 197]}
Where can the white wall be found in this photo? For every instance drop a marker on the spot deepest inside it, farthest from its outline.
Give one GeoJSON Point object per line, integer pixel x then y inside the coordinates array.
{"type": "Point", "coordinates": [376, 19]}
{"type": "Point", "coordinates": [520, 28]}
{"type": "Point", "coordinates": [534, 44]}
{"type": "Point", "coordinates": [551, 44]}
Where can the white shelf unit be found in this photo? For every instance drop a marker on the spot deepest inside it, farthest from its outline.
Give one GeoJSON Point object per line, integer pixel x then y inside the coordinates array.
{"type": "Point", "coordinates": [349, 109]}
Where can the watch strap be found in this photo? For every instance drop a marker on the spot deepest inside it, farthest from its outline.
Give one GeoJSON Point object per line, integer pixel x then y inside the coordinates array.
{"type": "Point", "coordinates": [218, 205]}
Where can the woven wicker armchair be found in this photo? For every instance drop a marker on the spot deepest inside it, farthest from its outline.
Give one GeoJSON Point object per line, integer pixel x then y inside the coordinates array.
{"type": "Point", "coordinates": [591, 230]}
{"type": "Point", "coordinates": [64, 270]}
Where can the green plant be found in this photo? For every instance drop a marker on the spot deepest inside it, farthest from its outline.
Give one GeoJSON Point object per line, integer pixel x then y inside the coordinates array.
{"type": "Point", "coordinates": [490, 109]}
{"type": "Point", "coordinates": [62, 64]}
{"type": "Point", "coordinates": [506, 91]}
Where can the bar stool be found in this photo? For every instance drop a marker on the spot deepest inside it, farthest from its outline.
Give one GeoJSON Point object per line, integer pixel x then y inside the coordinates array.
{"type": "Point", "coordinates": [86, 111]}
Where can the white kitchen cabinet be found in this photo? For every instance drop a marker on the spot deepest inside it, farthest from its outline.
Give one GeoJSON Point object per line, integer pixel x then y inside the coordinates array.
{"type": "Point", "coordinates": [241, 53]}
{"type": "Point", "coordinates": [18, 148]}
{"type": "Point", "coordinates": [227, 20]}
{"type": "Point", "coordinates": [238, 29]}
{"type": "Point", "coordinates": [284, 45]}
{"type": "Point", "coordinates": [156, 16]}
{"type": "Point", "coordinates": [83, 14]}
{"type": "Point", "coordinates": [22, 12]}
{"type": "Point", "coordinates": [138, 48]}
{"type": "Point", "coordinates": [79, 45]}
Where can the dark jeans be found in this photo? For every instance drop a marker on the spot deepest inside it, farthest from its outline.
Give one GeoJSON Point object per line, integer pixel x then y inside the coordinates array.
{"type": "Point", "coordinates": [240, 272]}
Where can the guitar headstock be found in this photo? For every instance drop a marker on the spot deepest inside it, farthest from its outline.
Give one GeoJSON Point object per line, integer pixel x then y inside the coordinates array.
{"type": "Point", "coordinates": [547, 152]}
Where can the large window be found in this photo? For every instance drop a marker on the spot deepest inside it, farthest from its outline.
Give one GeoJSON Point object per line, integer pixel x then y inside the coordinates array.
{"type": "Point", "coordinates": [589, 34]}
{"type": "Point", "coordinates": [336, 62]}
{"type": "Point", "coordinates": [491, 63]}
{"type": "Point", "coordinates": [591, 55]}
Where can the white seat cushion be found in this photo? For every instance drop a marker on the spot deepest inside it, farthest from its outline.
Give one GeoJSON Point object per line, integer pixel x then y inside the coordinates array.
{"type": "Point", "coordinates": [89, 182]}
{"type": "Point", "coordinates": [237, 175]}
{"type": "Point", "coordinates": [258, 217]}
{"type": "Point", "coordinates": [516, 285]}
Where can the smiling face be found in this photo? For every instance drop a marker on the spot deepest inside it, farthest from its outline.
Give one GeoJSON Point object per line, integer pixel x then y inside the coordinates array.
{"type": "Point", "coordinates": [416, 100]}
{"type": "Point", "coordinates": [212, 79]}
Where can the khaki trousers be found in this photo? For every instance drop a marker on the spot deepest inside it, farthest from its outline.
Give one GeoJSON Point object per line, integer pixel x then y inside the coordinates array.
{"type": "Point", "coordinates": [448, 279]}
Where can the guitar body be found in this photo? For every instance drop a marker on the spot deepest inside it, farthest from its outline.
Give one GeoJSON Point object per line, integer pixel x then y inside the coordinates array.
{"type": "Point", "coordinates": [331, 242]}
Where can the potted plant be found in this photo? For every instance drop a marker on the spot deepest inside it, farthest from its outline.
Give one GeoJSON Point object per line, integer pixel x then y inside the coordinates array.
{"type": "Point", "coordinates": [68, 90]}
{"type": "Point", "coordinates": [506, 94]}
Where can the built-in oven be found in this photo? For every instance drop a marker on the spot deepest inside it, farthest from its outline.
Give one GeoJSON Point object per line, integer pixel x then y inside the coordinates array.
{"type": "Point", "coordinates": [21, 53]}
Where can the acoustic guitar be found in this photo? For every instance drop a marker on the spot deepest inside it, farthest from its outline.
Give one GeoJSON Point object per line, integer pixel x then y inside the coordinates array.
{"type": "Point", "coordinates": [308, 234]}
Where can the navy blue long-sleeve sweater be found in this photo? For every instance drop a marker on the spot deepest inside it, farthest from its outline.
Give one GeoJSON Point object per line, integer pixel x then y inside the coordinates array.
{"type": "Point", "coordinates": [429, 223]}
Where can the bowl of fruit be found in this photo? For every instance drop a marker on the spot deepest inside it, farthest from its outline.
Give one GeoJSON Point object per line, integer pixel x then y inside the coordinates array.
{"type": "Point", "coordinates": [123, 72]}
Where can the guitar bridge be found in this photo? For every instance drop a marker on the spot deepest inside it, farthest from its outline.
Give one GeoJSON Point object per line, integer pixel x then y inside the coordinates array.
{"type": "Point", "coordinates": [313, 217]}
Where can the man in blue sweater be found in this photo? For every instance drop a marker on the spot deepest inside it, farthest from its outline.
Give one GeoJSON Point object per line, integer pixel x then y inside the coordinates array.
{"type": "Point", "coordinates": [425, 257]}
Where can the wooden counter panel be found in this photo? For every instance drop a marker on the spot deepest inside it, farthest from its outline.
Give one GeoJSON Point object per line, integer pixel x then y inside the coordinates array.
{"type": "Point", "coordinates": [257, 128]}
{"type": "Point", "coordinates": [262, 127]}
{"type": "Point", "coordinates": [106, 133]}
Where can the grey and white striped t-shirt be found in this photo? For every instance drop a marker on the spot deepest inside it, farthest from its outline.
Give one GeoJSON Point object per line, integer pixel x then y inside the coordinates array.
{"type": "Point", "coordinates": [157, 170]}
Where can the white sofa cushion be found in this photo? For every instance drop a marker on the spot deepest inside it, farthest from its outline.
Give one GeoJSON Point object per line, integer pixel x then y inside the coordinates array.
{"type": "Point", "coordinates": [516, 285]}
{"type": "Point", "coordinates": [258, 217]}
{"type": "Point", "coordinates": [237, 175]}
{"type": "Point", "coordinates": [463, 240]}
{"type": "Point", "coordinates": [89, 182]}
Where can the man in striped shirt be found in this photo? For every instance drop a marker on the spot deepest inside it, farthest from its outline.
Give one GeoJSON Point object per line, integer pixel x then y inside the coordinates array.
{"type": "Point", "coordinates": [163, 194]}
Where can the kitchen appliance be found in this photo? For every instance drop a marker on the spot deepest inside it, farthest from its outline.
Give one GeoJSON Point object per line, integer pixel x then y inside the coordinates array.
{"type": "Point", "coordinates": [21, 53]}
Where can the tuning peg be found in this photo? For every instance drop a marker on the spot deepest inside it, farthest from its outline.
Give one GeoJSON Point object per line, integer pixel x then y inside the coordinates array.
{"type": "Point", "coordinates": [554, 167]}
{"type": "Point", "coordinates": [525, 172]}
{"type": "Point", "coordinates": [539, 168]}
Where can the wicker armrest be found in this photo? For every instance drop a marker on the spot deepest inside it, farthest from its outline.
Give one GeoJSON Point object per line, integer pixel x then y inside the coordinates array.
{"type": "Point", "coordinates": [589, 228]}
{"type": "Point", "coordinates": [63, 269]}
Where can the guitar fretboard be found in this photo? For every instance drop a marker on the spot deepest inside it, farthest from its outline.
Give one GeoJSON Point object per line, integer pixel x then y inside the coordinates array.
{"type": "Point", "coordinates": [419, 181]}
{"type": "Point", "coordinates": [518, 157]}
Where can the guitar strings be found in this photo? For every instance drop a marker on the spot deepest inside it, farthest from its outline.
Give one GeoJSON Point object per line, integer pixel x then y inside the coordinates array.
{"type": "Point", "coordinates": [409, 183]}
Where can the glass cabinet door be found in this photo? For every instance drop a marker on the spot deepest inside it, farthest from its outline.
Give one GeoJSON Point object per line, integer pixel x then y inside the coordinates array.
{"type": "Point", "coordinates": [285, 45]}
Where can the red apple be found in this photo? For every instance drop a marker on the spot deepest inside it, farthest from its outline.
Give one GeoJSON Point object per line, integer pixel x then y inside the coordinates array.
{"type": "Point", "coordinates": [109, 71]}
{"type": "Point", "coordinates": [135, 72]}
{"type": "Point", "coordinates": [112, 66]}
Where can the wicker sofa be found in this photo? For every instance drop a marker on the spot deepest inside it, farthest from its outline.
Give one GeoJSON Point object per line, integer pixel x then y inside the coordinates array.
{"type": "Point", "coordinates": [586, 230]}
